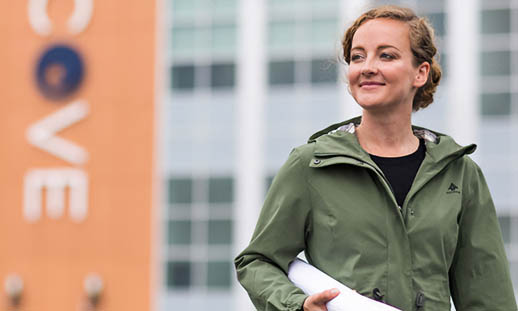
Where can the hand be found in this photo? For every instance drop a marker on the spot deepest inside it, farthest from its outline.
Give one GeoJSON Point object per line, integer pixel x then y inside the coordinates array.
{"type": "Point", "coordinates": [317, 302]}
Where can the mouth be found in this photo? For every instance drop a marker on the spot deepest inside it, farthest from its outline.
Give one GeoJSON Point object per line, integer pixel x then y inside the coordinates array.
{"type": "Point", "coordinates": [371, 84]}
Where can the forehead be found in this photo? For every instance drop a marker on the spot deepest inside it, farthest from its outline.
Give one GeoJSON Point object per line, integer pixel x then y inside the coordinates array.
{"type": "Point", "coordinates": [382, 31]}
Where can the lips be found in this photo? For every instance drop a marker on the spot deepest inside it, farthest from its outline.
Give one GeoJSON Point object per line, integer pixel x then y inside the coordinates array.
{"type": "Point", "coordinates": [371, 83]}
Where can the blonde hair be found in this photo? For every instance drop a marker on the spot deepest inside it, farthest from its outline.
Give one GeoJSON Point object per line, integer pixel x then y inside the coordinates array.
{"type": "Point", "coordinates": [421, 43]}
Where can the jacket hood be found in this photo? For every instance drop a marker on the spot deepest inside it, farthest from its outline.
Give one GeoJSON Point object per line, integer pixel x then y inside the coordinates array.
{"type": "Point", "coordinates": [339, 140]}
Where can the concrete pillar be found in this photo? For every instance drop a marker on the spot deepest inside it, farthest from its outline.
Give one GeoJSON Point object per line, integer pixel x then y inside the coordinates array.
{"type": "Point", "coordinates": [251, 96]}
{"type": "Point", "coordinates": [463, 69]}
{"type": "Point", "coordinates": [349, 11]}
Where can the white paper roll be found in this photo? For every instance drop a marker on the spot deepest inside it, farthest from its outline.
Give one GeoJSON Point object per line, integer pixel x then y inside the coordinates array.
{"type": "Point", "coordinates": [313, 281]}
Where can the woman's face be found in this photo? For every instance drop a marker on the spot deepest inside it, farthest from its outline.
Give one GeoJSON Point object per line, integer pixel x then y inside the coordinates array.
{"type": "Point", "coordinates": [381, 71]}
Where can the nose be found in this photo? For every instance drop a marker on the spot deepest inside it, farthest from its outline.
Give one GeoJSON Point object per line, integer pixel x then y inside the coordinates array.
{"type": "Point", "coordinates": [369, 67]}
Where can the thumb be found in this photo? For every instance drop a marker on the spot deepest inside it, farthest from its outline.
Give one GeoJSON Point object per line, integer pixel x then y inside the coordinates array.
{"type": "Point", "coordinates": [326, 296]}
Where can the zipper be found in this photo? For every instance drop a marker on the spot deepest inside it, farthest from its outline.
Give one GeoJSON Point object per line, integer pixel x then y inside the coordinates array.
{"type": "Point", "coordinates": [379, 173]}
{"type": "Point", "coordinates": [386, 183]}
{"type": "Point", "coordinates": [419, 300]}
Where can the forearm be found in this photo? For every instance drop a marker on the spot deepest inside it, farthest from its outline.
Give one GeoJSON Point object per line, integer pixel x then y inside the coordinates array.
{"type": "Point", "coordinates": [267, 284]}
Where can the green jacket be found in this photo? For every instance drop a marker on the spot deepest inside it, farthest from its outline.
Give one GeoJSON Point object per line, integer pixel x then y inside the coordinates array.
{"type": "Point", "coordinates": [331, 201]}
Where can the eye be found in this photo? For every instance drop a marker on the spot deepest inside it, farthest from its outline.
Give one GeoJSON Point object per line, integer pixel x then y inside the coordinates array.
{"type": "Point", "coordinates": [387, 56]}
{"type": "Point", "coordinates": [356, 57]}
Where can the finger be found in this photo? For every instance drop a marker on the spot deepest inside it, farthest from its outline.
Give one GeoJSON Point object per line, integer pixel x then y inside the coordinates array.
{"type": "Point", "coordinates": [326, 296]}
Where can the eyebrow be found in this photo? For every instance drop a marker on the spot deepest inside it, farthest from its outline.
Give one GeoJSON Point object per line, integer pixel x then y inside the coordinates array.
{"type": "Point", "coordinates": [382, 47]}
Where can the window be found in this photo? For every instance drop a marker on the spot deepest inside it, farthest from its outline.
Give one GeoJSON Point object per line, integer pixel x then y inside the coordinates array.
{"type": "Point", "coordinates": [178, 274]}
{"type": "Point", "coordinates": [219, 274]}
{"type": "Point", "coordinates": [223, 38]}
{"type": "Point", "coordinates": [515, 62]}
{"type": "Point", "coordinates": [513, 264]}
{"type": "Point", "coordinates": [505, 226]}
{"type": "Point", "coordinates": [180, 190]}
{"type": "Point", "coordinates": [496, 21]}
{"type": "Point", "coordinates": [224, 6]}
{"type": "Point", "coordinates": [437, 20]}
{"type": "Point", "coordinates": [184, 7]}
{"type": "Point", "coordinates": [182, 77]}
{"type": "Point", "coordinates": [268, 182]}
{"type": "Point", "coordinates": [443, 62]}
{"type": "Point", "coordinates": [325, 5]}
{"type": "Point", "coordinates": [282, 5]}
{"type": "Point", "coordinates": [179, 232]}
{"type": "Point", "coordinates": [199, 233]}
{"type": "Point", "coordinates": [217, 76]}
{"type": "Point", "coordinates": [323, 71]}
{"type": "Point", "coordinates": [496, 104]}
{"type": "Point", "coordinates": [281, 34]}
{"type": "Point", "coordinates": [323, 31]}
{"type": "Point", "coordinates": [496, 63]}
{"type": "Point", "coordinates": [221, 190]}
{"type": "Point", "coordinates": [220, 232]}
{"type": "Point", "coordinates": [282, 72]}
{"type": "Point", "coordinates": [184, 39]}
{"type": "Point", "coordinates": [222, 75]}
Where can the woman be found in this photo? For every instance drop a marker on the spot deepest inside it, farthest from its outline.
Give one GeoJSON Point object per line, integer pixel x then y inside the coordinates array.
{"type": "Point", "coordinates": [399, 213]}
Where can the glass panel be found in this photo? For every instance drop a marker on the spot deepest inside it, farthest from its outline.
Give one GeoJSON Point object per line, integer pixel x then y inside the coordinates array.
{"type": "Point", "coordinates": [437, 20]}
{"type": "Point", "coordinates": [180, 190]}
{"type": "Point", "coordinates": [269, 181]}
{"type": "Point", "coordinates": [513, 264]}
{"type": "Point", "coordinates": [323, 31]}
{"type": "Point", "coordinates": [496, 63]}
{"type": "Point", "coordinates": [179, 232]}
{"type": "Point", "coordinates": [221, 190]}
{"type": "Point", "coordinates": [224, 6]}
{"type": "Point", "coordinates": [327, 5]}
{"type": "Point", "coordinates": [515, 61]}
{"type": "Point", "coordinates": [184, 7]}
{"type": "Point", "coordinates": [282, 72]}
{"type": "Point", "coordinates": [443, 61]}
{"type": "Point", "coordinates": [496, 21]}
{"type": "Point", "coordinates": [281, 5]}
{"type": "Point", "coordinates": [183, 39]}
{"type": "Point", "coordinates": [182, 77]}
{"type": "Point", "coordinates": [178, 274]}
{"type": "Point", "coordinates": [427, 5]}
{"type": "Point", "coordinates": [218, 274]}
{"type": "Point", "coordinates": [224, 38]}
{"type": "Point", "coordinates": [222, 75]}
{"type": "Point", "coordinates": [505, 226]}
{"type": "Point", "coordinates": [203, 40]}
{"type": "Point", "coordinates": [220, 231]}
{"type": "Point", "coordinates": [496, 104]}
{"type": "Point", "coordinates": [323, 70]}
{"type": "Point", "coordinates": [281, 34]}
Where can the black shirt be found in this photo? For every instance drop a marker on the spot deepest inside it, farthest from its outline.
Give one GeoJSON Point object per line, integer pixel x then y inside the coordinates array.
{"type": "Point", "coordinates": [401, 171]}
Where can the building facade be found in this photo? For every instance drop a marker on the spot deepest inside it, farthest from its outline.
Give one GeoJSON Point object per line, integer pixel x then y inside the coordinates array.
{"type": "Point", "coordinates": [140, 137]}
{"type": "Point", "coordinates": [213, 64]}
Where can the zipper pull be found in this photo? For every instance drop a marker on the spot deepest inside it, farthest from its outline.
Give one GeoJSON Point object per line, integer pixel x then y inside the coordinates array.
{"type": "Point", "coordinates": [419, 300]}
{"type": "Point", "coordinates": [376, 294]}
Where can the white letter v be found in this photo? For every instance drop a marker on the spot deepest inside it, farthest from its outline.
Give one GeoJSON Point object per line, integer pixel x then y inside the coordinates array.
{"type": "Point", "coordinates": [42, 133]}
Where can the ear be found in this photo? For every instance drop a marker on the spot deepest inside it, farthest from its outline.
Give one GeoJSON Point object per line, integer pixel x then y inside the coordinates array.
{"type": "Point", "coordinates": [422, 74]}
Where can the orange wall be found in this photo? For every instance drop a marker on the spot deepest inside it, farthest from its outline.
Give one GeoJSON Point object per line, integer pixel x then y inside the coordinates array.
{"type": "Point", "coordinates": [54, 255]}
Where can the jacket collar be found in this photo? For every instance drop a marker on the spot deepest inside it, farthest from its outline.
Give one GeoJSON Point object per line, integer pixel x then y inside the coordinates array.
{"type": "Point", "coordinates": [339, 140]}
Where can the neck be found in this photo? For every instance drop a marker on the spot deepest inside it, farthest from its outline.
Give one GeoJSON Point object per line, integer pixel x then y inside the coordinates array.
{"type": "Point", "coordinates": [387, 134]}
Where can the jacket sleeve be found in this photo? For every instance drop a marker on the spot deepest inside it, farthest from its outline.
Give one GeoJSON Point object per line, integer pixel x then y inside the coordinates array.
{"type": "Point", "coordinates": [479, 273]}
{"type": "Point", "coordinates": [278, 238]}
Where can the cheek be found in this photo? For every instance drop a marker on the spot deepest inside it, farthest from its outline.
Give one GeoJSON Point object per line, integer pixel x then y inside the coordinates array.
{"type": "Point", "coordinates": [400, 74]}
{"type": "Point", "coordinates": [352, 74]}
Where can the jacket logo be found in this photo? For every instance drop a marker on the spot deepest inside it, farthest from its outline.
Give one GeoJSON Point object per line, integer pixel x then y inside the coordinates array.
{"type": "Point", "coordinates": [453, 189]}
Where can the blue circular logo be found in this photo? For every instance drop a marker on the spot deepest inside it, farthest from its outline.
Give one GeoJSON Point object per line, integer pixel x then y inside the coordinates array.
{"type": "Point", "coordinates": [60, 72]}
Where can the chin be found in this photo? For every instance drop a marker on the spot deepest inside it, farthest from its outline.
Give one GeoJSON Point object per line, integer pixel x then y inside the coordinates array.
{"type": "Point", "coordinates": [374, 106]}
{"type": "Point", "coordinates": [369, 103]}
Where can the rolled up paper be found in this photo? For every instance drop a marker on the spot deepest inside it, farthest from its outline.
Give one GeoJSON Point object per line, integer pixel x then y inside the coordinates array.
{"type": "Point", "coordinates": [313, 281]}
